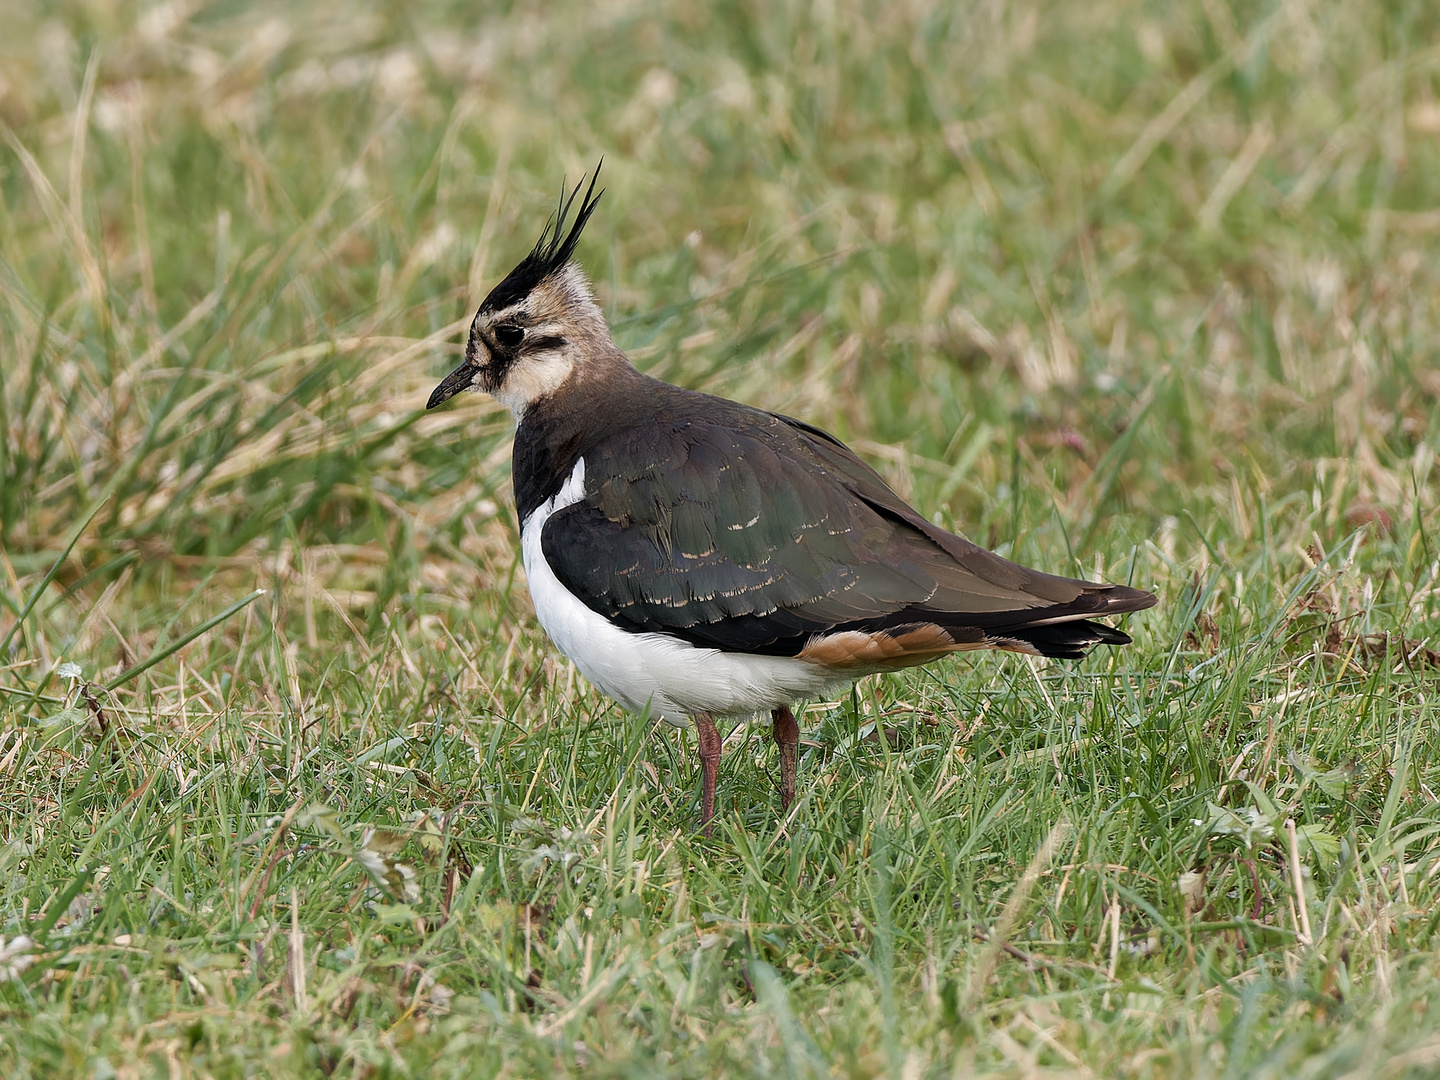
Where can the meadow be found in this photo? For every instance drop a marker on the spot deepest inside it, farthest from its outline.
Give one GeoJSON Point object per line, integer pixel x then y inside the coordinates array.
{"type": "Point", "coordinates": [291, 782]}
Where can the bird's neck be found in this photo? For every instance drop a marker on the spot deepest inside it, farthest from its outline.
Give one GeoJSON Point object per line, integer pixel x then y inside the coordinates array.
{"type": "Point", "coordinates": [555, 430]}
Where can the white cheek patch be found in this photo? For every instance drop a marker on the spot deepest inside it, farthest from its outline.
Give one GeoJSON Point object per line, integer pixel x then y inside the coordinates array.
{"type": "Point", "coordinates": [532, 378]}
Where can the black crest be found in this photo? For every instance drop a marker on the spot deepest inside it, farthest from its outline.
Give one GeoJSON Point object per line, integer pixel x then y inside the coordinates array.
{"type": "Point", "coordinates": [551, 252]}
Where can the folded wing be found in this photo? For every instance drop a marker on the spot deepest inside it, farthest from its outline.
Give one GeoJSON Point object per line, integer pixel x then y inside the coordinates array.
{"type": "Point", "coordinates": [747, 531]}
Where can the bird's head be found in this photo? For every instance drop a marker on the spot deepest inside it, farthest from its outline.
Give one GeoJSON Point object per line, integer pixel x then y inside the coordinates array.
{"type": "Point", "coordinates": [540, 326]}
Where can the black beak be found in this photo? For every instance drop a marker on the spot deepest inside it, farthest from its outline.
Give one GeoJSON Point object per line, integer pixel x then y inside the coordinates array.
{"type": "Point", "coordinates": [457, 380]}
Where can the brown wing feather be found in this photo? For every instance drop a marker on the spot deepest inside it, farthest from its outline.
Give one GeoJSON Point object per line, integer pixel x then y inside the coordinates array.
{"type": "Point", "coordinates": [1058, 598]}
{"type": "Point", "coordinates": [745, 531]}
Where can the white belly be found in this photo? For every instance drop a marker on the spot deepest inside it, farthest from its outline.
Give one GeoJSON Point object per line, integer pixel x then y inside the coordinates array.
{"type": "Point", "coordinates": [674, 678]}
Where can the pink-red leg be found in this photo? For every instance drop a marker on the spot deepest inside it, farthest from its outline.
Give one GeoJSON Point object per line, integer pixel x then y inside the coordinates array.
{"type": "Point", "coordinates": [787, 738]}
{"type": "Point", "coordinates": [709, 768]}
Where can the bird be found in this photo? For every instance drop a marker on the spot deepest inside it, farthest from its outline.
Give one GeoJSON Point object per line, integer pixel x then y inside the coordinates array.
{"type": "Point", "coordinates": [704, 559]}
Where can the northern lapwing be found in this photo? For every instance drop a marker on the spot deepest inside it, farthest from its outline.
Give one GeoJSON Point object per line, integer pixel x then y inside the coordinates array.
{"type": "Point", "coordinates": [701, 558]}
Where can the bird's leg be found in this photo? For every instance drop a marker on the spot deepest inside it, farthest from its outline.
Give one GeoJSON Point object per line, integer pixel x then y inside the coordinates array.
{"type": "Point", "coordinates": [787, 738]}
{"type": "Point", "coordinates": [709, 768]}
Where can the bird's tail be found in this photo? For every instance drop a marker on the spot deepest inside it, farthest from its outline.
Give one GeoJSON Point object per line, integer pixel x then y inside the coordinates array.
{"type": "Point", "coordinates": [1066, 640]}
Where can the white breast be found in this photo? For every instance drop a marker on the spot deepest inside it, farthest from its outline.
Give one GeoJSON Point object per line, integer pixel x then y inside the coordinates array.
{"type": "Point", "coordinates": [676, 679]}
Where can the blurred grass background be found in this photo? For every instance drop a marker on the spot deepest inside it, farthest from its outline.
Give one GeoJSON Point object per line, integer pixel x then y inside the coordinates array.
{"type": "Point", "coordinates": [1132, 290]}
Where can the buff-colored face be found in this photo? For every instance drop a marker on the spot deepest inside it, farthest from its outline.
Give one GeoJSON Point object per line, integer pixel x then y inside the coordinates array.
{"type": "Point", "coordinates": [529, 348]}
{"type": "Point", "coordinates": [540, 327]}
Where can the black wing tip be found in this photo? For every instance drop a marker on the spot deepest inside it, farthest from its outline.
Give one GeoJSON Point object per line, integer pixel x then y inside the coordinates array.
{"type": "Point", "coordinates": [1119, 599]}
{"type": "Point", "coordinates": [1073, 638]}
{"type": "Point", "coordinates": [1069, 640]}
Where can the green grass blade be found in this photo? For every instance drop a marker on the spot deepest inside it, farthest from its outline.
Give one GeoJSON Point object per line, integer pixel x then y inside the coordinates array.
{"type": "Point", "coordinates": [70, 541]}
{"type": "Point", "coordinates": [175, 646]}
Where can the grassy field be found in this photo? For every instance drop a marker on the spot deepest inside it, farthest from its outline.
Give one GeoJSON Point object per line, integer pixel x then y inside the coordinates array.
{"type": "Point", "coordinates": [291, 782]}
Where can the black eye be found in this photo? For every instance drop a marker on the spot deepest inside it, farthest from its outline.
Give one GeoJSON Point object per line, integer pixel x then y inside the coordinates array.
{"type": "Point", "coordinates": [509, 335]}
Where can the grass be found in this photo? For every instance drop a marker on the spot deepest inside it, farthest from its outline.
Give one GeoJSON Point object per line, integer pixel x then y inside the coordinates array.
{"type": "Point", "coordinates": [1136, 291]}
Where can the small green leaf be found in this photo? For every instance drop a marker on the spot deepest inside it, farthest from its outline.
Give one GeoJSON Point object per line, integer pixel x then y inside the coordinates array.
{"type": "Point", "coordinates": [1318, 842]}
{"type": "Point", "coordinates": [323, 818]}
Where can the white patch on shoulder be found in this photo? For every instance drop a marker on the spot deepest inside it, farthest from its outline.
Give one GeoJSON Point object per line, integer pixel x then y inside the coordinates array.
{"type": "Point", "coordinates": [676, 679]}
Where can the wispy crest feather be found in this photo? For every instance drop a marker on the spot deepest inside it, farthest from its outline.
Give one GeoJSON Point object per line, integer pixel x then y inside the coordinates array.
{"type": "Point", "coordinates": [552, 251]}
